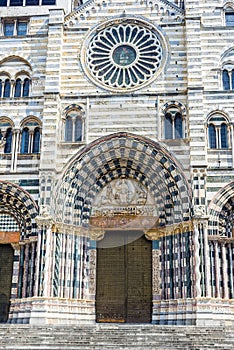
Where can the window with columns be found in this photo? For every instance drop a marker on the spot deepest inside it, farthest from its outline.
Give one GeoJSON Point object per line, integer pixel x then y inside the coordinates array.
{"type": "Point", "coordinates": [14, 27]}
{"type": "Point", "coordinates": [228, 78]}
{"type": "Point", "coordinates": [30, 137]}
{"type": "Point", "coordinates": [27, 2]}
{"type": "Point", "coordinates": [74, 126]}
{"type": "Point", "coordinates": [19, 87]}
{"type": "Point", "coordinates": [229, 15]}
{"type": "Point", "coordinates": [25, 140]}
{"type": "Point", "coordinates": [173, 124]}
{"type": "Point", "coordinates": [218, 132]}
{"type": "Point", "coordinates": [6, 127]}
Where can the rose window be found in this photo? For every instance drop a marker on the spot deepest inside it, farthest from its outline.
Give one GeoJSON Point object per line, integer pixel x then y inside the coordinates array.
{"type": "Point", "coordinates": [124, 56]}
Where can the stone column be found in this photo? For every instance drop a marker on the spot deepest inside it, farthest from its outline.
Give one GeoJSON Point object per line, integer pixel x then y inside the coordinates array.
{"type": "Point", "coordinates": [197, 261]}
{"type": "Point", "coordinates": [217, 270]}
{"type": "Point", "coordinates": [232, 144]}
{"type": "Point", "coordinates": [231, 277]}
{"type": "Point", "coordinates": [14, 152]}
{"type": "Point", "coordinates": [44, 252]}
{"type": "Point", "coordinates": [15, 272]}
{"type": "Point", "coordinates": [207, 260]}
{"type": "Point", "coordinates": [224, 272]}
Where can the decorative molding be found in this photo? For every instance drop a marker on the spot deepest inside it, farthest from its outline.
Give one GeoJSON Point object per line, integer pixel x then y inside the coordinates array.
{"type": "Point", "coordinates": [178, 228]}
{"type": "Point", "coordinates": [220, 239]}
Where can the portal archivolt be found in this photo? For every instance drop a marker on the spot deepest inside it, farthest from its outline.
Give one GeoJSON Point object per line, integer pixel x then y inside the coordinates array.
{"type": "Point", "coordinates": [123, 156]}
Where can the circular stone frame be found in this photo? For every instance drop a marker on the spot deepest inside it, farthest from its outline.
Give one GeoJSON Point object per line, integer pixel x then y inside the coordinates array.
{"type": "Point", "coordinates": [124, 54]}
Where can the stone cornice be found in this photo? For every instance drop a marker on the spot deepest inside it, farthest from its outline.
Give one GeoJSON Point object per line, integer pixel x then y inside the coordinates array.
{"type": "Point", "coordinates": [220, 239]}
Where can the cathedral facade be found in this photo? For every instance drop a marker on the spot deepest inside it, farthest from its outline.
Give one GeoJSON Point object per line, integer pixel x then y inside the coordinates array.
{"type": "Point", "coordinates": [116, 162]}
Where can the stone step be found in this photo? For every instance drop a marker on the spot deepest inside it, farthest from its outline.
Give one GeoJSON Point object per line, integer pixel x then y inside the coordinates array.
{"type": "Point", "coordinates": [116, 336]}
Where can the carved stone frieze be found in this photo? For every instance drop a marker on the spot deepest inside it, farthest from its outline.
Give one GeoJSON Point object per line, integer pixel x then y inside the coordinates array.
{"type": "Point", "coordinates": [124, 203]}
{"type": "Point", "coordinates": [156, 272]}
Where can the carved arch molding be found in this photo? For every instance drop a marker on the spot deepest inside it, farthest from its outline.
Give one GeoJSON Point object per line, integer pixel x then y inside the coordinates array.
{"type": "Point", "coordinates": [122, 181]}
{"type": "Point", "coordinates": [19, 204]}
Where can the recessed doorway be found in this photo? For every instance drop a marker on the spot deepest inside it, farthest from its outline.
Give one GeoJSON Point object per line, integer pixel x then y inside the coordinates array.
{"type": "Point", "coordinates": [6, 267]}
{"type": "Point", "coordinates": [124, 278]}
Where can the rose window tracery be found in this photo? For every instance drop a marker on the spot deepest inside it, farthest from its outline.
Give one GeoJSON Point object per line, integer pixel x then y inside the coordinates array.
{"type": "Point", "coordinates": [124, 56]}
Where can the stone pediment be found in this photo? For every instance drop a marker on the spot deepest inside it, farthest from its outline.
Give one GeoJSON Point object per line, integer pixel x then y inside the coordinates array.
{"type": "Point", "coordinates": [159, 11]}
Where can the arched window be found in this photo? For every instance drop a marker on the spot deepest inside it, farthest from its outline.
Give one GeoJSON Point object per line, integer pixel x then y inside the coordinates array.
{"type": "Point", "coordinates": [36, 141]}
{"type": "Point", "coordinates": [30, 136]}
{"type": "Point", "coordinates": [68, 129]}
{"type": "Point", "coordinates": [26, 85]}
{"type": "Point", "coordinates": [229, 16]}
{"type": "Point", "coordinates": [168, 126]}
{"type": "Point", "coordinates": [218, 132]}
{"type": "Point", "coordinates": [8, 143]}
{"type": "Point", "coordinates": [224, 137]}
{"type": "Point", "coordinates": [226, 80]}
{"type": "Point", "coordinates": [25, 141]}
{"type": "Point", "coordinates": [178, 126]}
{"type": "Point", "coordinates": [22, 87]}
{"type": "Point", "coordinates": [173, 124]}
{"type": "Point", "coordinates": [74, 126]}
{"type": "Point", "coordinates": [212, 136]}
{"type": "Point", "coordinates": [6, 126]}
{"type": "Point", "coordinates": [18, 88]}
{"type": "Point", "coordinates": [78, 129]}
{"type": "Point", "coordinates": [7, 88]}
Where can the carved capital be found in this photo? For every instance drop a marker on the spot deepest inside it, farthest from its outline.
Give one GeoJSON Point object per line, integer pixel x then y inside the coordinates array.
{"type": "Point", "coordinates": [199, 211]}
{"type": "Point", "coordinates": [96, 234]}
{"type": "Point", "coordinates": [44, 219]}
{"type": "Point", "coordinates": [159, 232]}
{"type": "Point", "coordinates": [15, 246]}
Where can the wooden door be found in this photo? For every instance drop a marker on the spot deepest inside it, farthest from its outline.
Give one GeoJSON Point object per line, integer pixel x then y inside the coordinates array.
{"type": "Point", "coordinates": [124, 282]}
{"type": "Point", "coordinates": [6, 267]}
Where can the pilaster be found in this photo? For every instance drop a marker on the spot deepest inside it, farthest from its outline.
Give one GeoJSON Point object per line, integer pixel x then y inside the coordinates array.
{"type": "Point", "coordinates": [52, 90]}
{"type": "Point", "coordinates": [195, 83]}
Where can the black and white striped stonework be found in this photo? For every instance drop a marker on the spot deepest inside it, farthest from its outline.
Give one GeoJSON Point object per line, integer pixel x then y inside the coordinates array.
{"type": "Point", "coordinates": [123, 155]}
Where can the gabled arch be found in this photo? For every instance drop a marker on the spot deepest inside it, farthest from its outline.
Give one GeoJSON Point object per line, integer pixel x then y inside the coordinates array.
{"type": "Point", "coordinates": [7, 120]}
{"type": "Point", "coordinates": [19, 58]}
{"type": "Point", "coordinates": [4, 75]}
{"type": "Point", "coordinates": [228, 6]}
{"type": "Point", "coordinates": [122, 155]}
{"type": "Point", "coordinates": [22, 74]}
{"type": "Point", "coordinates": [17, 202]}
{"type": "Point", "coordinates": [176, 104]}
{"type": "Point", "coordinates": [30, 118]}
{"type": "Point", "coordinates": [220, 113]}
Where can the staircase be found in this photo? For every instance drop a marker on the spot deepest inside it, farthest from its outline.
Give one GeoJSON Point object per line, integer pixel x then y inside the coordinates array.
{"type": "Point", "coordinates": [116, 336]}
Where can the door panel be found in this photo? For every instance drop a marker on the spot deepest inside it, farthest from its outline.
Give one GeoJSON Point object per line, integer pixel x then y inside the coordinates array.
{"type": "Point", "coordinates": [6, 267]}
{"type": "Point", "coordinates": [124, 282]}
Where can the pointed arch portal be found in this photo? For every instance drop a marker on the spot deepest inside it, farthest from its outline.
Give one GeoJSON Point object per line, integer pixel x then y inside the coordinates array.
{"type": "Point", "coordinates": [117, 191]}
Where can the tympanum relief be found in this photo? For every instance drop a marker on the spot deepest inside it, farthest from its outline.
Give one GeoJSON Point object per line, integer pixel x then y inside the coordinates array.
{"type": "Point", "coordinates": [124, 203]}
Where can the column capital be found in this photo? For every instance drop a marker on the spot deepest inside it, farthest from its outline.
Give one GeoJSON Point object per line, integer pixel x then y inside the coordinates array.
{"type": "Point", "coordinates": [44, 218]}
{"type": "Point", "coordinates": [199, 212]}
